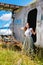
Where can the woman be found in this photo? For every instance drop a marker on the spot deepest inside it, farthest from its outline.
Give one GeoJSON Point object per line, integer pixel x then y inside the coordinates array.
{"type": "Point", "coordinates": [28, 42]}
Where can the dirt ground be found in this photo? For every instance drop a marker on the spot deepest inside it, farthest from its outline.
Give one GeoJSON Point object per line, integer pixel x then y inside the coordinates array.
{"type": "Point", "coordinates": [13, 42]}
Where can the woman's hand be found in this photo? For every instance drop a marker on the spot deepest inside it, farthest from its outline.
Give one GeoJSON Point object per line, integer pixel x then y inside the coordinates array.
{"type": "Point", "coordinates": [33, 32]}
{"type": "Point", "coordinates": [22, 28]}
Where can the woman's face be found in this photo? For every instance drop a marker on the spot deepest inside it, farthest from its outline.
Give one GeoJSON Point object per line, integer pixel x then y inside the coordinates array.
{"type": "Point", "coordinates": [27, 25]}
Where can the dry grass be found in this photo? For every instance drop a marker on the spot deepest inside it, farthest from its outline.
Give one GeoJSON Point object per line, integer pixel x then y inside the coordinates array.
{"type": "Point", "coordinates": [9, 57]}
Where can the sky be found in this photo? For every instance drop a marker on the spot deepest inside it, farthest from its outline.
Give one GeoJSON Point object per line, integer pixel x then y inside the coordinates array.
{"type": "Point", "coordinates": [5, 21]}
{"type": "Point", "coordinates": [5, 18]}
{"type": "Point", "coordinates": [17, 2]}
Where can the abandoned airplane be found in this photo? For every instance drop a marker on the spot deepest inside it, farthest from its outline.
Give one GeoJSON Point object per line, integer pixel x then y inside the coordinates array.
{"type": "Point", "coordinates": [32, 14]}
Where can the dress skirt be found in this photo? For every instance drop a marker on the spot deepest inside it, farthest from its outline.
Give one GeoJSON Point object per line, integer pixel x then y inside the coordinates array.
{"type": "Point", "coordinates": [28, 45]}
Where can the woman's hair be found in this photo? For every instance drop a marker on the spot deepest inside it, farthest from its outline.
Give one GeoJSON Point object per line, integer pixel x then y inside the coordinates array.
{"type": "Point", "coordinates": [29, 25]}
{"type": "Point", "coordinates": [25, 28]}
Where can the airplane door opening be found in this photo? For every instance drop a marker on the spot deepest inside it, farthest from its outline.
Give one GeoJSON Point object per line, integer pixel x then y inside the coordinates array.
{"type": "Point", "coordinates": [31, 19]}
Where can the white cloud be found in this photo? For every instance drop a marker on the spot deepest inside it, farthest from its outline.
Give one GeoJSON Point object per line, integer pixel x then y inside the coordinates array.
{"type": "Point", "coordinates": [7, 25]}
{"type": "Point", "coordinates": [6, 17]}
{"type": "Point", "coordinates": [5, 32]}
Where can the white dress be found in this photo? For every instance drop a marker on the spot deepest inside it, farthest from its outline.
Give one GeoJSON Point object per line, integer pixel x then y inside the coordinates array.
{"type": "Point", "coordinates": [28, 42]}
{"type": "Point", "coordinates": [28, 32]}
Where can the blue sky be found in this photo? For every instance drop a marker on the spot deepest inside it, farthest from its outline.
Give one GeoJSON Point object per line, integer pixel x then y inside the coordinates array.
{"type": "Point", "coordinates": [17, 2]}
{"type": "Point", "coordinates": [5, 18]}
{"type": "Point", "coordinates": [5, 21]}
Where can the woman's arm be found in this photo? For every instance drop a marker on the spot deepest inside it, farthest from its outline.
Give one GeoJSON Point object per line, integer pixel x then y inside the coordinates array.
{"type": "Point", "coordinates": [24, 28]}
{"type": "Point", "coordinates": [33, 32]}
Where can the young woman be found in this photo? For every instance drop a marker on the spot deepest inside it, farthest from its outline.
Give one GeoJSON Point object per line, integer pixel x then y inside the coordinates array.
{"type": "Point", "coordinates": [28, 42]}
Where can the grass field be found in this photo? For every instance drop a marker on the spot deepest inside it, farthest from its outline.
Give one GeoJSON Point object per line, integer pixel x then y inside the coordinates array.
{"type": "Point", "coordinates": [9, 57]}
